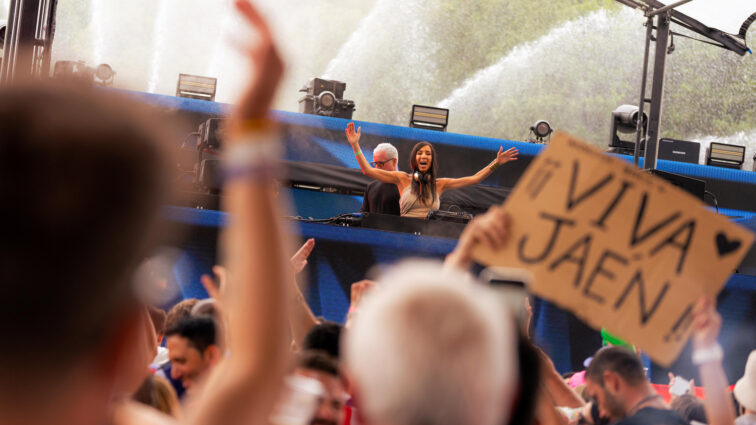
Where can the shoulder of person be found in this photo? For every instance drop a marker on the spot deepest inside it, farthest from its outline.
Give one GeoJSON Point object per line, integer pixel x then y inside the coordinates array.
{"type": "Point", "coordinates": [654, 416]}
{"type": "Point", "coordinates": [133, 413]}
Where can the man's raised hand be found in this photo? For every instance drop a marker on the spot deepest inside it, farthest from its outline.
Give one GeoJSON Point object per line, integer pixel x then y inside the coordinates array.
{"type": "Point", "coordinates": [353, 136]}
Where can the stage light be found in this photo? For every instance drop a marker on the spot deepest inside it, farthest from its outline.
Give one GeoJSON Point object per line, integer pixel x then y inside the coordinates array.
{"type": "Point", "coordinates": [196, 87]}
{"type": "Point", "coordinates": [429, 118]}
{"type": "Point", "coordinates": [104, 75]}
{"type": "Point", "coordinates": [325, 97]}
{"type": "Point", "coordinates": [723, 155]}
{"type": "Point", "coordinates": [73, 70]}
{"type": "Point", "coordinates": [541, 129]}
{"type": "Point", "coordinates": [625, 120]}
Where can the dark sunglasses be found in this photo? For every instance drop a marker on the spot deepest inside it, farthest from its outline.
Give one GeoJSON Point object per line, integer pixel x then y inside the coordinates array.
{"type": "Point", "coordinates": [374, 163]}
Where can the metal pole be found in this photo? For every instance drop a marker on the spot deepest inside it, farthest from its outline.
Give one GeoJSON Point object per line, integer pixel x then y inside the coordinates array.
{"type": "Point", "coordinates": [654, 114]}
{"type": "Point", "coordinates": [23, 45]}
{"type": "Point", "coordinates": [11, 42]}
{"type": "Point", "coordinates": [666, 8]}
{"type": "Point", "coordinates": [52, 10]}
{"type": "Point", "coordinates": [642, 102]}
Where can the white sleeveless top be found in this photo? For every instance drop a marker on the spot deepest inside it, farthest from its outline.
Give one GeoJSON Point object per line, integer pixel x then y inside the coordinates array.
{"type": "Point", "coordinates": [411, 206]}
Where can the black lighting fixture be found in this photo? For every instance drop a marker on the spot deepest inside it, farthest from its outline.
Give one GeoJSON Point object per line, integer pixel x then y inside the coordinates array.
{"type": "Point", "coordinates": [196, 87]}
{"type": "Point", "coordinates": [325, 97]}
{"type": "Point", "coordinates": [540, 130]}
{"type": "Point", "coordinates": [209, 162]}
{"type": "Point", "coordinates": [429, 117]}
{"type": "Point", "coordinates": [72, 70]}
{"type": "Point", "coordinates": [625, 120]}
{"type": "Point", "coordinates": [103, 75]}
{"type": "Point", "coordinates": [724, 155]}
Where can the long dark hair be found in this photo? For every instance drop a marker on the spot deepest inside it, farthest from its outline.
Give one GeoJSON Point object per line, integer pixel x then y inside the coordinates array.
{"type": "Point", "coordinates": [423, 189]}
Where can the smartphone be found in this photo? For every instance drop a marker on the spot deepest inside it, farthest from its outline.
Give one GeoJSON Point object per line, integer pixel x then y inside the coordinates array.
{"type": "Point", "coordinates": [512, 286]}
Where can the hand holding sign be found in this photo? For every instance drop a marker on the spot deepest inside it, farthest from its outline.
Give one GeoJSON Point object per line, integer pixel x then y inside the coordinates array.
{"type": "Point", "coordinates": [616, 246]}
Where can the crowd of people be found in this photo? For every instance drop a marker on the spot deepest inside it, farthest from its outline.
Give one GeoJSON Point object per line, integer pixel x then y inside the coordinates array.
{"type": "Point", "coordinates": [85, 177]}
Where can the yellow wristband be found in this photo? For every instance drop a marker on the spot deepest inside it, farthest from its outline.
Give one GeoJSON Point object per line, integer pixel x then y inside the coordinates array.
{"type": "Point", "coordinates": [261, 125]}
{"type": "Point", "coordinates": [358, 153]}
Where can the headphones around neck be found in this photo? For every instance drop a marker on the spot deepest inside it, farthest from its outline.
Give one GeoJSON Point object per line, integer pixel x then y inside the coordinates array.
{"type": "Point", "coordinates": [421, 177]}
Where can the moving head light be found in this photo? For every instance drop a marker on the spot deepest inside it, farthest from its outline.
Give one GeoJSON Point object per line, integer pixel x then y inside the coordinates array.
{"type": "Point", "coordinates": [625, 120]}
{"type": "Point", "coordinates": [103, 75]}
{"type": "Point", "coordinates": [541, 130]}
{"type": "Point", "coordinates": [325, 97]}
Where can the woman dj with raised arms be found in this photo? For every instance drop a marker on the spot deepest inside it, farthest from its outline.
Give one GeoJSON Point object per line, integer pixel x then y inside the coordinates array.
{"type": "Point", "coordinates": [421, 190]}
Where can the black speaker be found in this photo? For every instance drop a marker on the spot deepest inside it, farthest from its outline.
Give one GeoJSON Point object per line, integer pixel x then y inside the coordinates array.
{"type": "Point", "coordinates": [679, 150]}
{"type": "Point", "coordinates": [210, 134]}
{"type": "Point", "coordinates": [693, 186]}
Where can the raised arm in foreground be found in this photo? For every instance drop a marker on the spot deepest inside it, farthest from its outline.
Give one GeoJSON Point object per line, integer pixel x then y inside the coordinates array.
{"type": "Point", "coordinates": [243, 388]}
{"type": "Point", "coordinates": [707, 354]}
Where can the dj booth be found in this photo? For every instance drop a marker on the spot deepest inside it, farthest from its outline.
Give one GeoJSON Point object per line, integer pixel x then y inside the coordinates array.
{"type": "Point", "coordinates": [325, 184]}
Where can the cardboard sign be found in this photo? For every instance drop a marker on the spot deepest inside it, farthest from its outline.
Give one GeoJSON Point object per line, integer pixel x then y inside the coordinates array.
{"type": "Point", "coordinates": [616, 246]}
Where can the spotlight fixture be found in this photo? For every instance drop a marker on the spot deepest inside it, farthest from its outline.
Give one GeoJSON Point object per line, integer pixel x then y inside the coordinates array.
{"type": "Point", "coordinates": [72, 70]}
{"type": "Point", "coordinates": [429, 118]}
{"type": "Point", "coordinates": [325, 97]}
{"type": "Point", "coordinates": [104, 75]}
{"type": "Point", "coordinates": [724, 155]}
{"type": "Point", "coordinates": [196, 87]}
{"type": "Point", "coordinates": [625, 120]}
{"type": "Point", "coordinates": [541, 130]}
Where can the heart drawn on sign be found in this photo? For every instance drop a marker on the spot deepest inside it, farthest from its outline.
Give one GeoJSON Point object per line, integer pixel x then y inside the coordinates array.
{"type": "Point", "coordinates": [726, 246]}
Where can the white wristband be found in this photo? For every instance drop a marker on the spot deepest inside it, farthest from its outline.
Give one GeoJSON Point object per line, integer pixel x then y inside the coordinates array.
{"type": "Point", "coordinates": [712, 353]}
{"type": "Point", "coordinates": [254, 156]}
{"type": "Point", "coordinates": [254, 149]}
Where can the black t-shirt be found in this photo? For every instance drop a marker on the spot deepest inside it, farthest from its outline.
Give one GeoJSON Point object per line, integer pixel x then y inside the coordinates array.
{"type": "Point", "coordinates": [381, 198]}
{"type": "Point", "coordinates": [653, 416]}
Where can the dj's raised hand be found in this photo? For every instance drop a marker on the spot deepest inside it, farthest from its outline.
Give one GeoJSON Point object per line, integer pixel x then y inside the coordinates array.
{"type": "Point", "coordinates": [353, 136]}
{"type": "Point", "coordinates": [504, 156]}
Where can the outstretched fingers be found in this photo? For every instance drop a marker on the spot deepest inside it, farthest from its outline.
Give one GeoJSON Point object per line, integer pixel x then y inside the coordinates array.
{"type": "Point", "coordinates": [267, 67]}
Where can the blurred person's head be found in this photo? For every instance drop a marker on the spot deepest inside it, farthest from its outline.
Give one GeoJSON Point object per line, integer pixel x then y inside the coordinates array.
{"type": "Point", "coordinates": [324, 368]}
{"type": "Point", "coordinates": [206, 307]}
{"type": "Point", "coordinates": [325, 336]}
{"type": "Point", "coordinates": [745, 388]}
{"type": "Point", "coordinates": [689, 407]}
{"type": "Point", "coordinates": [83, 176]}
{"type": "Point", "coordinates": [430, 347]}
{"type": "Point", "coordinates": [158, 317]}
{"type": "Point", "coordinates": [179, 312]}
{"type": "Point", "coordinates": [157, 392]}
{"type": "Point", "coordinates": [192, 349]}
{"type": "Point", "coordinates": [615, 378]}
{"type": "Point", "coordinates": [385, 157]}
